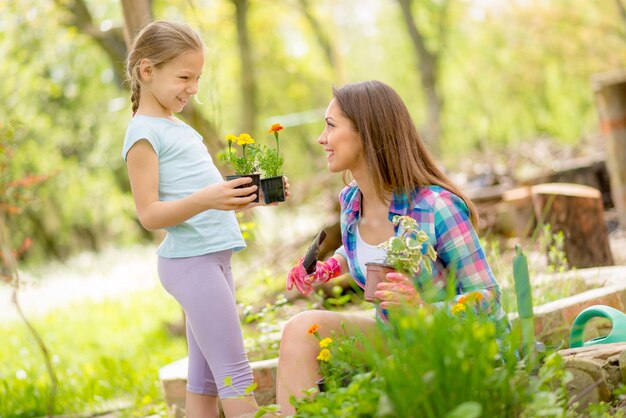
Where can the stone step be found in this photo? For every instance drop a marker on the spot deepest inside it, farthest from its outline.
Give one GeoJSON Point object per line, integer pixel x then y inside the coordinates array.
{"type": "Point", "coordinates": [173, 379]}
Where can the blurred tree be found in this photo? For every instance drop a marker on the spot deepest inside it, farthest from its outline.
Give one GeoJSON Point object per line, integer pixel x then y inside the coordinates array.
{"type": "Point", "coordinates": [246, 68]}
{"type": "Point", "coordinates": [137, 14]}
{"type": "Point", "coordinates": [429, 47]}
{"type": "Point", "coordinates": [330, 49]}
{"type": "Point", "coordinates": [622, 9]}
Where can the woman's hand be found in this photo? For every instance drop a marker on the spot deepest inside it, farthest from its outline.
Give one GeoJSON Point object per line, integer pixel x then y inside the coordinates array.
{"type": "Point", "coordinates": [397, 290]}
{"type": "Point", "coordinates": [324, 271]}
{"type": "Point", "coordinates": [286, 184]}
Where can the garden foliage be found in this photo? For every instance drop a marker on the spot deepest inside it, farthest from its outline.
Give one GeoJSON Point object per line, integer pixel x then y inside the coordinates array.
{"type": "Point", "coordinates": [430, 363]}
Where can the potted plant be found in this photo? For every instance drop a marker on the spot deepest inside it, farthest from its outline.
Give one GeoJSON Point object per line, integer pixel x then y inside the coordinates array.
{"type": "Point", "coordinates": [271, 165]}
{"type": "Point", "coordinates": [404, 255]}
{"type": "Point", "coordinates": [244, 165]}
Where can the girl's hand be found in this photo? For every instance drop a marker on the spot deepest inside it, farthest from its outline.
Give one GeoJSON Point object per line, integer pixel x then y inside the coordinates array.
{"type": "Point", "coordinates": [226, 195]}
{"type": "Point", "coordinates": [397, 290]}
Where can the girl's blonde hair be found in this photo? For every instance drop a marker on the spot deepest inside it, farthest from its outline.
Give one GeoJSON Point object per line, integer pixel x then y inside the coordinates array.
{"type": "Point", "coordinates": [160, 42]}
{"type": "Point", "coordinates": [392, 147]}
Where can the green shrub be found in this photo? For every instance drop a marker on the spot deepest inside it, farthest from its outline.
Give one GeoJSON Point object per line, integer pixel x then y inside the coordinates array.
{"type": "Point", "coordinates": [433, 364]}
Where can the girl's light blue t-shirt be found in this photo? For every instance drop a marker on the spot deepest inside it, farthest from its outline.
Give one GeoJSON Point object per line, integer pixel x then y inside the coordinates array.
{"type": "Point", "coordinates": [185, 166]}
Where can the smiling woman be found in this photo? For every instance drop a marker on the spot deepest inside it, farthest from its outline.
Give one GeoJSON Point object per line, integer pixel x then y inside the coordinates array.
{"type": "Point", "coordinates": [369, 133]}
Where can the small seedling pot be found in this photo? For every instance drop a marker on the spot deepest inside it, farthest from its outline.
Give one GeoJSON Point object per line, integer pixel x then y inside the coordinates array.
{"type": "Point", "coordinates": [256, 180]}
{"type": "Point", "coordinates": [273, 189]}
{"type": "Point", "coordinates": [376, 273]}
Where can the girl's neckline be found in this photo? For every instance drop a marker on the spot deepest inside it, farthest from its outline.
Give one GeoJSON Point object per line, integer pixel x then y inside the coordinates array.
{"type": "Point", "coordinates": [175, 122]}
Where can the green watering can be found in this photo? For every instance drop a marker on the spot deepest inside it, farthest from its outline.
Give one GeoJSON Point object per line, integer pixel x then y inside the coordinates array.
{"type": "Point", "coordinates": [617, 334]}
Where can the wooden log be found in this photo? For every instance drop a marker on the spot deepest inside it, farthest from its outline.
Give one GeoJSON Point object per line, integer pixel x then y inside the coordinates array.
{"type": "Point", "coordinates": [578, 212]}
{"type": "Point", "coordinates": [515, 216]}
{"type": "Point", "coordinates": [596, 372]}
{"type": "Point", "coordinates": [589, 171]}
{"type": "Point", "coordinates": [610, 93]}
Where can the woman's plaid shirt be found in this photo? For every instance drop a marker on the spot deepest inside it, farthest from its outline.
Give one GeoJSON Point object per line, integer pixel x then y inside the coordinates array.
{"type": "Point", "coordinates": [445, 218]}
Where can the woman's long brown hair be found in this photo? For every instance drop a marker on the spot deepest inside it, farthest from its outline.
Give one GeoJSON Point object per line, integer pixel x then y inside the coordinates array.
{"type": "Point", "coordinates": [392, 148]}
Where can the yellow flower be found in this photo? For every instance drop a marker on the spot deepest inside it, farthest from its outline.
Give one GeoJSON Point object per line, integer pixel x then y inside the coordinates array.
{"type": "Point", "coordinates": [245, 139]}
{"type": "Point", "coordinates": [313, 329]}
{"type": "Point", "coordinates": [277, 127]}
{"type": "Point", "coordinates": [458, 308]}
{"type": "Point", "coordinates": [324, 355]}
{"type": "Point", "coordinates": [325, 342]}
{"type": "Point", "coordinates": [231, 138]}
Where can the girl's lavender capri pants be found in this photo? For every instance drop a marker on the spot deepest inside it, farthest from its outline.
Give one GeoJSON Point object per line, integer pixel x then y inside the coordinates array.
{"type": "Point", "coordinates": [204, 287]}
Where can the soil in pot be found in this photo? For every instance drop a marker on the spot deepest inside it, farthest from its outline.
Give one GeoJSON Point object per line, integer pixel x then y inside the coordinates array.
{"type": "Point", "coordinates": [256, 180]}
{"type": "Point", "coordinates": [273, 189]}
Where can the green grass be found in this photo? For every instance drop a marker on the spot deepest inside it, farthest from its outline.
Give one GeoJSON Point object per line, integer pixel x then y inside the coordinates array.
{"type": "Point", "coordinates": [106, 356]}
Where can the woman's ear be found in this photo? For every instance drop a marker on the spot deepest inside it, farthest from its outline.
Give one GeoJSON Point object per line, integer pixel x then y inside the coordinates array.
{"type": "Point", "coordinates": [145, 69]}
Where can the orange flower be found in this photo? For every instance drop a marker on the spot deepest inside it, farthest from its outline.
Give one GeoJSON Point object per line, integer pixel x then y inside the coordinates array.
{"type": "Point", "coordinates": [313, 329]}
{"type": "Point", "coordinates": [477, 296]}
{"type": "Point", "coordinates": [462, 299]}
{"type": "Point", "coordinates": [277, 127]}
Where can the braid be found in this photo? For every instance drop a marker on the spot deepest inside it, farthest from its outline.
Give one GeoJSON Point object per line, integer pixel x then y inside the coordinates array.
{"type": "Point", "coordinates": [135, 88]}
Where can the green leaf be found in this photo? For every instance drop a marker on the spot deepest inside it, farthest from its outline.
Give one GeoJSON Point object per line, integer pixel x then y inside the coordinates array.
{"type": "Point", "coordinates": [432, 253]}
{"type": "Point", "coordinates": [396, 244]}
{"type": "Point", "coordinates": [250, 388]}
{"type": "Point", "coordinates": [466, 410]}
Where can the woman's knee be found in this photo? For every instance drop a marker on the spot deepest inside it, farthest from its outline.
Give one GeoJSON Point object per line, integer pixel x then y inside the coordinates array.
{"type": "Point", "coordinates": [295, 332]}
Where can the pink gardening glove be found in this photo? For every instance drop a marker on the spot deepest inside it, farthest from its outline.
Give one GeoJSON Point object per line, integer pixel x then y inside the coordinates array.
{"type": "Point", "coordinates": [324, 271]}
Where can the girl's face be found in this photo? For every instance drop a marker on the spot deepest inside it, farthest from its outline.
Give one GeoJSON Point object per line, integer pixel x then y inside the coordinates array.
{"type": "Point", "coordinates": [169, 87]}
{"type": "Point", "coordinates": [342, 143]}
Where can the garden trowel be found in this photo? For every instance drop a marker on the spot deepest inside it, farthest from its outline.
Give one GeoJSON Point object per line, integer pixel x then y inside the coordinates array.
{"type": "Point", "coordinates": [310, 259]}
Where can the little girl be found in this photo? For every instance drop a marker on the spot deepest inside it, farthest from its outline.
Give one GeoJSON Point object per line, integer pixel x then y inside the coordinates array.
{"type": "Point", "coordinates": [177, 187]}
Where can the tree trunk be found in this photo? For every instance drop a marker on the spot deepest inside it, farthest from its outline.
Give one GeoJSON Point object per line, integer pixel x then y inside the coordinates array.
{"type": "Point", "coordinates": [428, 69]}
{"type": "Point", "coordinates": [248, 82]}
{"type": "Point", "coordinates": [578, 212]}
{"type": "Point", "coordinates": [137, 15]}
{"type": "Point", "coordinates": [610, 92]}
{"type": "Point", "coordinates": [111, 41]}
{"type": "Point", "coordinates": [330, 52]}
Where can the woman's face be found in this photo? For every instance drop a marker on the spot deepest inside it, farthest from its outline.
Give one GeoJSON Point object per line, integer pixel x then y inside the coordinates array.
{"type": "Point", "coordinates": [342, 143]}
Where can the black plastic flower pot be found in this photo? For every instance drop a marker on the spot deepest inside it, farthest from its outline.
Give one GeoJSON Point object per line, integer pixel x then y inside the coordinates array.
{"type": "Point", "coordinates": [256, 180]}
{"type": "Point", "coordinates": [273, 189]}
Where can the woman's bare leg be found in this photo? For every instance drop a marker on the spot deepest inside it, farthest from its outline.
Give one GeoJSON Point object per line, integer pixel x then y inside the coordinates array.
{"type": "Point", "coordinates": [297, 362]}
